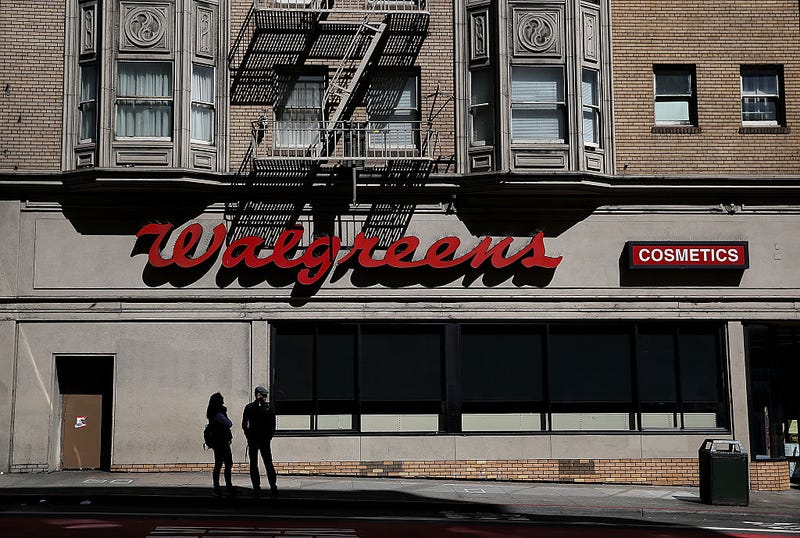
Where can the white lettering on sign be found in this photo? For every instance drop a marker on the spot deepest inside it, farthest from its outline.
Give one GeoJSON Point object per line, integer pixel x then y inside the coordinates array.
{"type": "Point", "coordinates": [730, 255]}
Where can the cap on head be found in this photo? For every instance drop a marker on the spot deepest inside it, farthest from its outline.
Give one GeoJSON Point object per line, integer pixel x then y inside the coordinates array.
{"type": "Point", "coordinates": [261, 390]}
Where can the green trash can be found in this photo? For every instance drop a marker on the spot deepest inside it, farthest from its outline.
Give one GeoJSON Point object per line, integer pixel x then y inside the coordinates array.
{"type": "Point", "coordinates": [724, 477]}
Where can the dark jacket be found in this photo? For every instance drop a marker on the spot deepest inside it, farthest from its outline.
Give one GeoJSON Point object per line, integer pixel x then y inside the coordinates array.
{"type": "Point", "coordinates": [221, 428]}
{"type": "Point", "coordinates": [258, 422]}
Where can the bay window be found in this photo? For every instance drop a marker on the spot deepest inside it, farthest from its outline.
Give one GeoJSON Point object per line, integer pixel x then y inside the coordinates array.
{"type": "Point", "coordinates": [481, 110]}
{"type": "Point", "coordinates": [88, 103]}
{"type": "Point", "coordinates": [203, 96]}
{"type": "Point", "coordinates": [538, 108]}
{"type": "Point", "coordinates": [591, 108]}
{"type": "Point", "coordinates": [144, 100]}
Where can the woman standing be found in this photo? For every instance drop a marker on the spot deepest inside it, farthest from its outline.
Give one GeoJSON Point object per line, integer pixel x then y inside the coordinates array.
{"type": "Point", "coordinates": [220, 424]}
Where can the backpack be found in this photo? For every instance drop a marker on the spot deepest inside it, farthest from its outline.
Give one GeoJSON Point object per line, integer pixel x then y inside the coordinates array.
{"type": "Point", "coordinates": [208, 436]}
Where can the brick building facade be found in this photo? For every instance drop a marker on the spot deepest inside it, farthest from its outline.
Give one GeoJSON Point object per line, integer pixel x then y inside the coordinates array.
{"type": "Point", "coordinates": [496, 239]}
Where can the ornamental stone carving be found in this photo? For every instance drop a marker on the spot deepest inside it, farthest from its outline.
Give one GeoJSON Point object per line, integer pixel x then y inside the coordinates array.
{"type": "Point", "coordinates": [479, 31]}
{"type": "Point", "coordinates": [88, 28]}
{"type": "Point", "coordinates": [591, 43]}
{"type": "Point", "coordinates": [145, 27]}
{"type": "Point", "coordinates": [204, 33]}
{"type": "Point", "coordinates": [537, 33]}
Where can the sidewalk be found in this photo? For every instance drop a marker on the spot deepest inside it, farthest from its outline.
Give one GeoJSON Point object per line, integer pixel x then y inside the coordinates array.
{"type": "Point", "coordinates": [338, 493]}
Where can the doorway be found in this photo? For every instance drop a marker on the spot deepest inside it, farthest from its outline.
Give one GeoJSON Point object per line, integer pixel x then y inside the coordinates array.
{"type": "Point", "coordinates": [773, 353]}
{"type": "Point", "coordinates": [86, 387]}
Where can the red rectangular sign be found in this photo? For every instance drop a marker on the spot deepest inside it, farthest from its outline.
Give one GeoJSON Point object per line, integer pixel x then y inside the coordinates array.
{"type": "Point", "coordinates": [688, 255]}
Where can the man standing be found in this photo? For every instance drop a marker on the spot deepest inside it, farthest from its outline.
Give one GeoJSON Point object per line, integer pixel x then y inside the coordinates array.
{"type": "Point", "coordinates": [258, 423]}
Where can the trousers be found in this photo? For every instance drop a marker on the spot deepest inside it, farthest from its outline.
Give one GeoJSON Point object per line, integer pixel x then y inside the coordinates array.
{"type": "Point", "coordinates": [266, 455]}
{"type": "Point", "coordinates": [222, 455]}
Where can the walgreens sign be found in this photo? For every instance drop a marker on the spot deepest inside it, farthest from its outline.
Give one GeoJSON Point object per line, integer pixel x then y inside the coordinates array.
{"type": "Point", "coordinates": [317, 259]}
{"type": "Point", "coordinates": [688, 255]}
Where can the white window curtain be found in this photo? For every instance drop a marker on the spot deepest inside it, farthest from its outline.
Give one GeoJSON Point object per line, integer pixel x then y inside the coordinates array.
{"type": "Point", "coordinates": [591, 108]}
{"type": "Point", "coordinates": [298, 120]}
{"type": "Point", "coordinates": [203, 96]}
{"type": "Point", "coordinates": [144, 99]}
{"type": "Point", "coordinates": [760, 96]}
{"type": "Point", "coordinates": [537, 104]}
{"type": "Point", "coordinates": [392, 106]}
{"type": "Point", "coordinates": [88, 103]}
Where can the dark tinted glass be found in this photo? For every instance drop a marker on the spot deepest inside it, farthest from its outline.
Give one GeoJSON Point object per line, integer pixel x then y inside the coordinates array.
{"type": "Point", "coordinates": [294, 353]}
{"type": "Point", "coordinates": [335, 359]}
{"type": "Point", "coordinates": [501, 364]}
{"type": "Point", "coordinates": [656, 366]}
{"type": "Point", "coordinates": [673, 82]}
{"type": "Point", "coordinates": [401, 364]}
{"type": "Point", "coordinates": [590, 365]}
{"type": "Point", "coordinates": [699, 359]}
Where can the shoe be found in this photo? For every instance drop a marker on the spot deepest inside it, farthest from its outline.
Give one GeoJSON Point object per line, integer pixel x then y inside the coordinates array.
{"type": "Point", "coordinates": [273, 490]}
{"type": "Point", "coordinates": [256, 491]}
{"type": "Point", "coordinates": [217, 491]}
{"type": "Point", "coordinates": [231, 491]}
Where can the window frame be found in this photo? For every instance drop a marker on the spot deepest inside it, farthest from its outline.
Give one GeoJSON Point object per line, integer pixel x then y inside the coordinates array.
{"type": "Point", "coordinates": [690, 99]}
{"type": "Point", "coordinates": [84, 103]}
{"type": "Point", "coordinates": [487, 106]}
{"type": "Point", "coordinates": [559, 104]}
{"type": "Point", "coordinates": [778, 98]}
{"type": "Point", "coordinates": [207, 105]}
{"type": "Point", "coordinates": [397, 116]}
{"type": "Point", "coordinates": [299, 143]}
{"type": "Point", "coordinates": [118, 98]}
{"type": "Point", "coordinates": [632, 414]}
{"type": "Point", "coordinates": [594, 108]}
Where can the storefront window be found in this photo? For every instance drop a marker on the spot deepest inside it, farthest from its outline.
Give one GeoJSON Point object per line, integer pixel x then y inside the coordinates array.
{"type": "Point", "coordinates": [460, 378]}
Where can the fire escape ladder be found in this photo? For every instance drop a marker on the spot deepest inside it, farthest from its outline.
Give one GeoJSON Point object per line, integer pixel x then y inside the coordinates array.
{"type": "Point", "coordinates": [347, 77]}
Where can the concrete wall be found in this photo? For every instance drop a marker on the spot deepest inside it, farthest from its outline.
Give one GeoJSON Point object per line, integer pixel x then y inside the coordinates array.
{"type": "Point", "coordinates": [479, 447]}
{"type": "Point", "coordinates": [163, 376]}
{"type": "Point", "coordinates": [59, 258]}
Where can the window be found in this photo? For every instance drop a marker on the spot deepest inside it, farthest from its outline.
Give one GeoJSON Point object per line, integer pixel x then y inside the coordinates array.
{"type": "Point", "coordinates": [481, 377]}
{"type": "Point", "coordinates": [678, 378]}
{"type": "Point", "coordinates": [591, 108]}
{"type": "Point", "coordinates": [88, 103]}
{"type": "Point", "coordinates": [393, 109]}
{"type": "Point", "coordinates": [762, 101]}
{"type": "Point", "coordinates": [202, 103]}
{"type": "Point", "coordinates": [480, 107]}
{"type": "Point", "coordinates": [537, 104]}
{"type": "Point", "coordinates": [298, 117]}
{"type": "Point", "coordinates": [675, 99]}
{"type": "Point", "coordinates": [144, 100]}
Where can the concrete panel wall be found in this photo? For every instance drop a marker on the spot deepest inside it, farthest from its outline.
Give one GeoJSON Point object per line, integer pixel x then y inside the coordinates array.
{"type": "Point", "coordinates": [163, 376]}
{"type": "Point", "coordinates": [56, 257]}
{"type": "Point", "coordinates": [7, 363]}
{"type": "Point", "coordinates": [487, 447]}
{"type": "Point", "coordinates": [9, 247]}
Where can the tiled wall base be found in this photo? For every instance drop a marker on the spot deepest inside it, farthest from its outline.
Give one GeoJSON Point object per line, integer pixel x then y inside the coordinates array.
{"type": "Point", "coordinates": [770, 475]}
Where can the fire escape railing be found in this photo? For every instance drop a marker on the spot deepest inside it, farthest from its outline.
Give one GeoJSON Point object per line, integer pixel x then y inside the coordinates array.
{"type": "Point", "coordinates": [357, 142]}
{"type": "Point", "coordinates": [388, 6]}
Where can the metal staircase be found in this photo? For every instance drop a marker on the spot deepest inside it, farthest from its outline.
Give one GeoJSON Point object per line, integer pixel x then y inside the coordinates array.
{"type": "Point", "coordinates": [310, 28]}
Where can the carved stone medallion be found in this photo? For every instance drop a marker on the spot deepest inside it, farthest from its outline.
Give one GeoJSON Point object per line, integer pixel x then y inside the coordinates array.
{"type": "Point", "coordinates": [537, 33]}
{"type": "Point", "coordinates": [145, 27]}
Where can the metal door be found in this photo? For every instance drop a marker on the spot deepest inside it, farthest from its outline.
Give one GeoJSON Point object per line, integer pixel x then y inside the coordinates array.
{"type": "Point", "coordinates": [80, 431]}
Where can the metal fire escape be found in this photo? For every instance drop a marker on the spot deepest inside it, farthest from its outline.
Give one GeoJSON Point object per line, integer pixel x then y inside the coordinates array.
{"type": "Point", "coordinates": [345, 38]}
